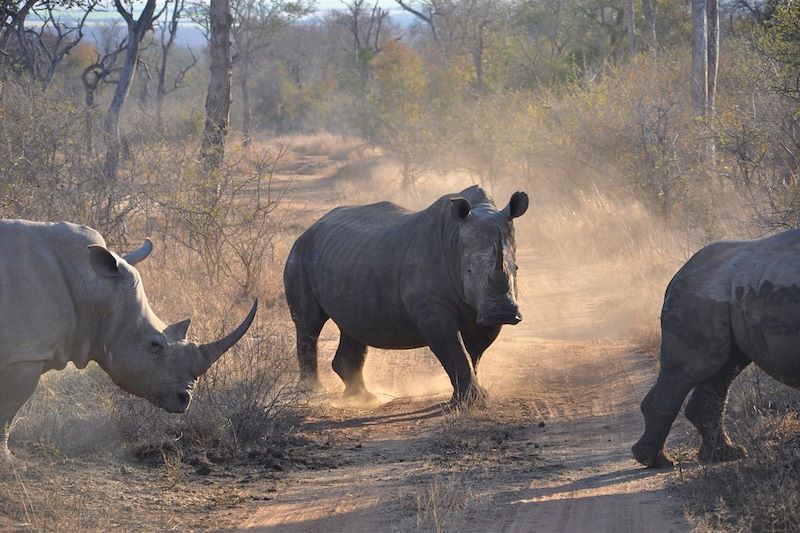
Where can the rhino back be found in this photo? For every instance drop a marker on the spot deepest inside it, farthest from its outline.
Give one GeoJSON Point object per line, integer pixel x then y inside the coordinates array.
{"type": "Point", "coordinates": [364, 263]}
{"type": "Point", "coordinates": [765, 310]}
{"type": "Point", "coordinates": [42, 291]}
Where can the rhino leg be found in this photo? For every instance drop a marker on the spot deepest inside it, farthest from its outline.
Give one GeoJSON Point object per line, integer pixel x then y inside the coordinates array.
{"type": "Point", "coordinates": [307, 338]}
{"type": "Point", "coordinates": [706, 408]}
{"type": "Point", "coordinates": [308, 317]}
{"type": "Point", "coordinates": [446, 344]}
{"type": "Point", "coordinates": [17, 383]}
{"type": "Point", "coordinates": [348, 363]}
{"type": "Point", "coordinates": [476, 342]}
{"type": "Point", "coordinates": [659, 407]}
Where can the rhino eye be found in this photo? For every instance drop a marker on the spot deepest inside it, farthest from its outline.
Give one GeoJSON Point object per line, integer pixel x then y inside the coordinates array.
{"type": "Point", "coordinates": [157, 343]}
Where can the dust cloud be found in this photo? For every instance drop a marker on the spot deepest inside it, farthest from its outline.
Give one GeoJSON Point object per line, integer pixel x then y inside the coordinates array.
{"type": "Point", "coordinates": [592, 266]}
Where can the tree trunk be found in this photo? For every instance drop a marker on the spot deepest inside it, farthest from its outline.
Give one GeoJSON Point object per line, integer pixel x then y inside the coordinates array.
{"type": "Point", "coordinates": [713, 54]}
{"type": "Point", "coordinates": [136, 31]}
{"type": "Point", "coordinates": [161, 92]}
{"type": "Point", "coordinates": [111, 120]}
{"type": "Point", "coordinates": [89, 120]}
{"type": "Point", "coordinates": [649, 37]}
{"type": "Point", "coordinates": [477, 57]}
{"type": "Point", "coordinates": [171, 27]}
{"type": "Point", "coordinates": [244, 81]}
{"type": "Point", "coordinates": [699, 58]}
{"type": "Point", "coordinates": [630, 16]}
{"type": "Point", "coordinates": [218, 99]}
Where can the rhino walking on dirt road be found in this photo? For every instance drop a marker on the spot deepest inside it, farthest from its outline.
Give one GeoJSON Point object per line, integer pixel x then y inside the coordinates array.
{"type": "Point", "coordinates": [731, 304]}
{"type": "Point", "coordinates": [64, 297]}
{"type": "Point", "coordinates": [443, 277]}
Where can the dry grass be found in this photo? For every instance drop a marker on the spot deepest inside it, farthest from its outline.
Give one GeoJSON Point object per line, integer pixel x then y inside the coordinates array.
{"type": "Point", "coordinates": [442, 502]}
{"type": "Point", "coordinates": [336, 147]}
{"type": "Point", "coordinates": [761, 492]}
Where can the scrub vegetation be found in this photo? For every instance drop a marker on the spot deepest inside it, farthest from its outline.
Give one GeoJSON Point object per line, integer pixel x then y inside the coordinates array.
{"type": "Point", "coordinates": [596, 109]}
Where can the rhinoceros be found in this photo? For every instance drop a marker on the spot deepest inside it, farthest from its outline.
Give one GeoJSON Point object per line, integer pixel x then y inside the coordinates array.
{"type": "Point", "coordinates": [443, 277]}
{"type": "Point", "coordinates": [732, 303]}
{"type": "Point", "coordinates": [65, 297]}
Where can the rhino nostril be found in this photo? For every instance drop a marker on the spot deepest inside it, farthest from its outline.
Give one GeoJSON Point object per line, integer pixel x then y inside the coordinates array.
{"type": "Point", "coordinates": [184, 398]}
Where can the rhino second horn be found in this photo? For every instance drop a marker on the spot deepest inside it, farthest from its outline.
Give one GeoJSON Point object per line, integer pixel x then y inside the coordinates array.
{"type": "Point", "coordinates": [499, 259]}
{"type": "Point", "coordinates": [214, 350]}
{"type": "Point", "coordinates": [140, 254]}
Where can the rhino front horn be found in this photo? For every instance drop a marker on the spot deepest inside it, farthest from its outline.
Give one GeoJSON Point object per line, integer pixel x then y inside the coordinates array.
{"type": "Point", "coordinates": [214, 350]}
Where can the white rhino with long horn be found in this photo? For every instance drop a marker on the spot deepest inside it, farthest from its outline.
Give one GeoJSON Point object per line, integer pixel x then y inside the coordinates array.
{"type": "Point", "coordinates": [65, 297]}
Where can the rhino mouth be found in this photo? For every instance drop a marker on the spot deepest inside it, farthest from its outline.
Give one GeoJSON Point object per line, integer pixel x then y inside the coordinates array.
{"type": "Point", "coordinates": [500, 319]}
{"type": "Point", "coordinates": [176, 403]}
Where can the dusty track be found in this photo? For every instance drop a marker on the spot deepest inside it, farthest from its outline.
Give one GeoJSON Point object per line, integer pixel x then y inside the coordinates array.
{"type": "Point", "coordinates": [560, 366]}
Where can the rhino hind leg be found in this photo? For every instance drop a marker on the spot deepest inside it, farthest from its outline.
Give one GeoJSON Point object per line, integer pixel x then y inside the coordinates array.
{"type": "Point", "coordinates": [706, 409]}
{"type": "Point", "coordinates": [309, 318]}
{"type": "Point", "coordinates": [17, 383]}
{"type": "Point", "coordinates": [660, 407]}
{"type": "Point", "coordinates": [348, 363]}
{"type": "Point", "coordinates": [307, 357]}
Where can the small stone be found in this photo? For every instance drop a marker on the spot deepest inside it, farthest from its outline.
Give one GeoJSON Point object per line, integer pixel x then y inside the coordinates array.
{"type": "Point", "coordinates": [541, 424]}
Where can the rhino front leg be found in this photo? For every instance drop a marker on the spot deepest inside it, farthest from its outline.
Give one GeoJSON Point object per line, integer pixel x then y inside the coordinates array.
{"type": "Point", "coordinates": [445, 342]}
{"type": "Point", "coordinates": [659, 407]}
{"type": "Point", "coordinates": [477, 340]}
{"type": "Point", "coordinates": [17, 383]}
{"type": "Point", "coordinates": [706, 408]}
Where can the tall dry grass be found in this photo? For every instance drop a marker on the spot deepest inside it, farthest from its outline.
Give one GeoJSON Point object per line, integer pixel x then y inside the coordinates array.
{"type": "Point", "coordinates": [762, 491]}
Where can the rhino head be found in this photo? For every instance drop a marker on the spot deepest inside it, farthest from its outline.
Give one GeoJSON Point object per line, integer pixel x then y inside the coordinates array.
{"type": "Point", "coordinates": [488, 257]}
{"type": "Point", "coordinates": [140, 353]}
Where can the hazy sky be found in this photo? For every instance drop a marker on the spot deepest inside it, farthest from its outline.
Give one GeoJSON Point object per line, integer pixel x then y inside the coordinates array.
{"type": "Point", "coordinates": [332, 4]}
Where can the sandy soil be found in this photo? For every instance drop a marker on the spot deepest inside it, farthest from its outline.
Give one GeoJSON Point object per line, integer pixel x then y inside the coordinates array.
{"type": "Point", "coordinates": [551, 453]}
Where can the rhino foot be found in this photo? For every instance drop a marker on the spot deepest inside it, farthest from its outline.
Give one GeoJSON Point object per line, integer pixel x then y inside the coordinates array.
{"type": "Point", "coordinates": [474, 397]}
{"type": "Point", "coordinates": [360, 396]}
{"type": "Point", "coordinates": [650, 457]}
{"type": "Point", "coordinates": [722, 453]}
{"type": "Point", "coordinates": [311, 386]}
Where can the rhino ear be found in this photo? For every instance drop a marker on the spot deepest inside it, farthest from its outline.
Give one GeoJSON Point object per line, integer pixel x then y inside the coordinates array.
{"type": "Point", "coordinates": [517, 206]}
{"type": "Point", "coordinates": [460, 207]}
{"type": "Point", "coordinates": [103, 262]}
{"type": "Point", "coordinates": [178, 330]}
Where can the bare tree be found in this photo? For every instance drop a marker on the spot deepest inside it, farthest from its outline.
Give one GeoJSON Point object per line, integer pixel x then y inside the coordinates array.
{"type": "Point", "coordinates": [255, 23]}
{"type": "Point", "coordinates": [12, 18]}
{"type": "Point", "coordinates": [712, 20]}
{"type": "Point", "coordinates": [93, 77]}
{"type": "Point", "coordinates": [426, 11]}
{"type": "Point", "coordinates": [649, 37]}
{"type": "Point", "coordinates": [46, 43]}
{"type": "Point", "coordinates": [137, 28]}
{"type": "Point", "coordinates": [218, 99]}
{"type": "Point", "coordinates": [705, 55]}
{"type": "Point", "coordinates": [365, 24]}
{"type": "Point", "coordinates": [699, 57]}
{"type": "Point", "coordinates": [168, 30]}
{"type": "Point", "coordinates": [460, 24]}
{"type": "Point", "coordinates": [630, 22]}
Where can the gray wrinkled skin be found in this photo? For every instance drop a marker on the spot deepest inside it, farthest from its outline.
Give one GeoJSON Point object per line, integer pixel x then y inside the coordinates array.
{"type": "Point", "coordinates": [444, 277]}
{"type": "Point", "coordinates": [733, 303]}
{"type": "Point", "coordinates": [65, 298]}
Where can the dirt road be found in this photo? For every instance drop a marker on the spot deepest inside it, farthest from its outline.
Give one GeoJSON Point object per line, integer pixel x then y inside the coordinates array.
{"type": "Point", "coordinates": [550, 454]}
